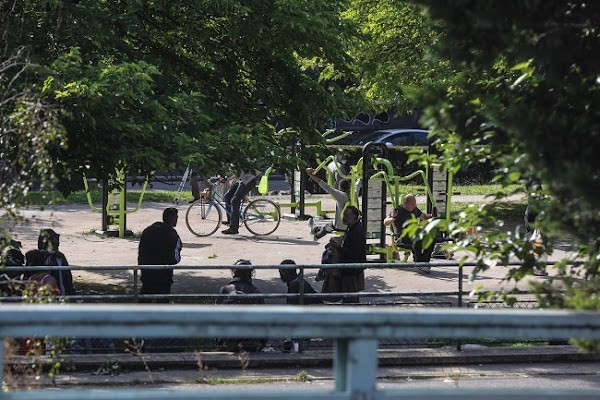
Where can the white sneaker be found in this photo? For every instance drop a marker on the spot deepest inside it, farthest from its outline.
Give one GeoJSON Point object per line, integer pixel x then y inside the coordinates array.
{"type": "Point", "coordinates": [311, 224]}
{"type": "Point", "coordinates": [424, 269]}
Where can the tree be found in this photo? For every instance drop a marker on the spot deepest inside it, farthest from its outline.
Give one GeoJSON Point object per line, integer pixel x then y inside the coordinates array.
{"type": "Point", "coordinates": [391, 53]}
{"type": "Point", "coordinates": [150, 85]}
{"type": "Point", "coordinates": [526, 85]}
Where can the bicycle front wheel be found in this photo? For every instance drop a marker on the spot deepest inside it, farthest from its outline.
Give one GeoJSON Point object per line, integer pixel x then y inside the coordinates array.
{"type": "Point", "coordinates": [203, 217]}
{"type": "Point", "coordinates": [262, 217]}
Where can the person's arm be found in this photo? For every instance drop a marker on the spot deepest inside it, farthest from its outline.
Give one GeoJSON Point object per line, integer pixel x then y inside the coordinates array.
{"type": "Point", "coordinates": [390, 218]}
{"type": "Point", "coordinates": [423, 215]}
{"type": "Point", "coordinates": [311, 174]}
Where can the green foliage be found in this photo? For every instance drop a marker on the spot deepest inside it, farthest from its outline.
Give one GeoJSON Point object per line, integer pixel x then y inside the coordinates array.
{"type": "Point", "coordinates": [524, 84]}
{"type": "Point", "coordinates": [392, 53]}
{"type": "Point", "coordinates": [148, 86]}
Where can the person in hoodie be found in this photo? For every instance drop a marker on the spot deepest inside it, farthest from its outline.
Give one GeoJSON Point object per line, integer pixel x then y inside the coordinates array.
{"type": "Point", "coordinates": [159, 245]}
{"type": "Point", "coordinates": [48, 243]}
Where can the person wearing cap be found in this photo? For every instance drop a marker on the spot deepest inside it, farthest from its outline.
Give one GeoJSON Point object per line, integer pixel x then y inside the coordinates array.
{"type": "Point", "coordinates": [240, 284]}
{"type": "Point", "coordinates": [159, 245]}
{"type": "Point", "coordinates": [48, 243]}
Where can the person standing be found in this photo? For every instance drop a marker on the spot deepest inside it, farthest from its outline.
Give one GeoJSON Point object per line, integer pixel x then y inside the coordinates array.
{"type": "Point", "coordinates": [352, 249]}
{"type": "Point", "coordinates": [48, 243]}
{"type": "Point", "coordinates": [159, 245]}
{"type": "Point", "coordinates": [342, 198]}
{"type": "Point", "coordinates": [398, 217]}
{"type": "Point", "coordinates": [234, 197]}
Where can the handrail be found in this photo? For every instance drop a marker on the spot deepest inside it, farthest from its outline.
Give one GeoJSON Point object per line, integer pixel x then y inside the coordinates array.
{"type": "Point", "coordinates": [356, 331]}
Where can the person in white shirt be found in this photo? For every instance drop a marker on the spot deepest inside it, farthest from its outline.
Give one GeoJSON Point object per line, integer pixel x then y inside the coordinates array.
{"type": "Point", "coordinates": [341, 196]}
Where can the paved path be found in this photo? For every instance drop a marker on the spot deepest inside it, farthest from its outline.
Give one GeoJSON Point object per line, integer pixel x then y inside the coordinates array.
{"type": "Point", "coordinates": [500, 376]}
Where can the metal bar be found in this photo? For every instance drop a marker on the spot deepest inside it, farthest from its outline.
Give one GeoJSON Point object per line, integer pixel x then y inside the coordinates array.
{"type": "Point", "coordinates": [459, 300]}
{"type": "Point", "coordinates": [135, 286]}
{"type": "Point", "coordinates": [355, 367]}
{"type": "Point", "coordinates": [371, 265]}
{"type": "Point", "coordinates": [125, 320]}
{"type": "Point", "coordinates": [1, 364]}
{"type": "Point", "coordinates": [405, 394]}
{"type": "Point", "coordinates": [191, 296]}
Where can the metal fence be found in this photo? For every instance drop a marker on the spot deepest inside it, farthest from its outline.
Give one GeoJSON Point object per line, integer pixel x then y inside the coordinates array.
{"type": "Point", "coordinates": [355, 330]}
{"type": "Point", "coordinates": [302, 297]}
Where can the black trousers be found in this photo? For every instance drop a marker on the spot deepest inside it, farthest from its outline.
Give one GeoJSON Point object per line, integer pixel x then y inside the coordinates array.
{"type": "Point", "coordinates": [420, 254]}
{"type": "Point", "coordinates": [155, 289]}
{"type": "Point", "coordinates": [233, 198]}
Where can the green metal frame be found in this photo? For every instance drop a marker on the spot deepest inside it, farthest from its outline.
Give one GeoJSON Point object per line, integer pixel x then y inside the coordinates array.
{"type": "Point", "coordinates": [117, 214]}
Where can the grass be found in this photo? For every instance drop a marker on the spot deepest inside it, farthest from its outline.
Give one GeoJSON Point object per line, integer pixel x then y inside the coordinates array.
{"type": "Point", "coordinates": [164, 196]}
{"type": "Point", "coordinates": [80, 197]}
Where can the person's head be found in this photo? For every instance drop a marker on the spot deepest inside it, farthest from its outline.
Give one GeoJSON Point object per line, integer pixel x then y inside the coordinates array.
{"type": "Point", "coordinates": [243, 274]}
{"type": "Point", "coordinates": [288, 274]}
{"type": "Point", "coordinates": [344, 185]}
{"type": "Point", "coordinates": [34, 258]}
{"type": "Point", "coordinates": [170, 216]}
{"type": "Point", "coordinates": [351, 215]}
{"type": "Point", "coordinates": [48, 240]}
{"type": "Point", "coordinates": [410, 202]}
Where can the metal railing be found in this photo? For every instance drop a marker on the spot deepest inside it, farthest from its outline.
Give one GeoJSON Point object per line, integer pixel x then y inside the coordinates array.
{"type": "Point", "coordinates": [356, 331]}
{"type": "Point", "coordinates": [302, 297]}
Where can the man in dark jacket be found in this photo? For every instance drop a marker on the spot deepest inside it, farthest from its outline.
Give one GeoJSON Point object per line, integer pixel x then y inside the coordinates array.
{"type": "Point", "coordinates": [160, 245]}
{"type": "Point", "coordinates": [48, 243]}
{"type": "Point", "coordinates": [291, 278]}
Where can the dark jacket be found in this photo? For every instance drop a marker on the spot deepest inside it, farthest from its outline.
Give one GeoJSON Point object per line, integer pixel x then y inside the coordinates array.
{"type": "Point", "coordinates": [353, 248]}
{"type": "Point", "coordinates": [64, 278]}
{"type": "Point", "coordinates": [241, 288]}
{"type": "Point", "coordinates": [159, 245]}
{"type": "Point", "coordinates": [294, 287]}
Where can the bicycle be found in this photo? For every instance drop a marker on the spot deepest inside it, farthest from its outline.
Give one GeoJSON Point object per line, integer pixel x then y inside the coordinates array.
{"type": "Point", "coordinates": [203, 217]}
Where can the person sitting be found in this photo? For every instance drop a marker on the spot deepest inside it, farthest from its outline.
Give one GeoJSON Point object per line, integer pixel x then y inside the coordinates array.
{"type": "Point", "coordinates": [48, 243]}
{"type": "Point", "coordinates": [341, 196]}
{"type": "Point", "coordinates": [291, 278]}
{"type": "Point", "coordinates": [398, 218]}
{"type": "Point", "coordinates": [240, 284]}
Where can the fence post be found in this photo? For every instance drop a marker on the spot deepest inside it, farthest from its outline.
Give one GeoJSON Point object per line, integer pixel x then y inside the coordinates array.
{"type": "Point", "coordinates": [301, 302]}
{"type": "Point", "coordinates": [460, 290]}
{"type": "Point", "coordinates": [355, 366]}
{"type": "Point", "coordinates": [1, 364]}
{"type": "Point", "coordinates": [135, 285]}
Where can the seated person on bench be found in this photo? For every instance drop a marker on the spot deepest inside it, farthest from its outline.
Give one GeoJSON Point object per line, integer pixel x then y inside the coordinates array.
{"type": "Point", "coordinates": [398, 217]}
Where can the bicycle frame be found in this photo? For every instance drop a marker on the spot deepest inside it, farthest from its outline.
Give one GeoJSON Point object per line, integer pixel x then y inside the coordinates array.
{"type": "Point", "coordinates": [218, 200]}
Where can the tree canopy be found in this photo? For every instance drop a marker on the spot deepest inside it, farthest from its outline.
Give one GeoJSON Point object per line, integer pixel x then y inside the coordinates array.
{"type": "Point", "coordinates": [151, 85]}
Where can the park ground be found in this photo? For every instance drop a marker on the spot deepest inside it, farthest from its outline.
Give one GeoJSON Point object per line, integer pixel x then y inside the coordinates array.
{"type": "Point", "coordinates": [292, 240]}
{"type": "Point", "coordinates": [77, 222]}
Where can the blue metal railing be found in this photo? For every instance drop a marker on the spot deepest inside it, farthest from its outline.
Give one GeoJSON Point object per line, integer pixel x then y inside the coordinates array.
{"type": "Point", "coordinates": [355, 330]}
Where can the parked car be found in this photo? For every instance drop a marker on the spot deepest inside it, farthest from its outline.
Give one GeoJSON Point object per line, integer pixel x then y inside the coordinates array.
{"type": "Point", "coordinates": [391, 137]}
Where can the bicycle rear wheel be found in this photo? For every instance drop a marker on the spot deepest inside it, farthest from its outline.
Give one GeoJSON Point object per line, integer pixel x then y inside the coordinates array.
{"type": "Point", "coordinates": [262, 217]}
{"type": "Point", "coordinates": [203, 217]}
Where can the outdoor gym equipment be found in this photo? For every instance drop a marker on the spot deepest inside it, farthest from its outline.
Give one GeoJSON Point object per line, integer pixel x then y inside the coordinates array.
{"type": "Point", "coordinates": [114, 212]}
{"type": "Point", "coordinates": [381, 182]}
{"type": "Point", "coordinates": [203, 217]}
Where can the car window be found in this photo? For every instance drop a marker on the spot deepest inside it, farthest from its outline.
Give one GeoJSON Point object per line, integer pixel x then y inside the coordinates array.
{"type": "Point", "coordinates": [401, 139]}
{"type": "Point", "coordinates": [420, 139]}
